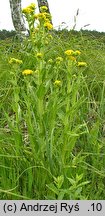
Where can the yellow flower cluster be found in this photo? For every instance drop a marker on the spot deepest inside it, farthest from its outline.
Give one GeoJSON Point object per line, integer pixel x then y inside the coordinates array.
{"type": "Point", "coordinates": [43, 8]}
{"type": "Point", "coordinates": [45, 18]}
{"type": "Point", "coordinates": [47, 15]}
{"type": "Point", "coordinates": [72, 56]}
{"type": "Point", "coordinates": [69, 52]}
{"type": "Point", "coordinates": [15, 61]}
{"type": "Point", "coordinates": [57, 83]}
{"type": "Point", "coordinates": [27, 72]}
{"type": "Point", "coordinates": [32, 6]}
{"type": "Point", "coordinates": [77, 52]}
{"type": "Point", "coordinates": [40, 16]}
{"type": "Point", "coordinates": [82, 64]}
{"type": "Point", "coordinates": [72, 53]}
{"type": "Point", "coordinates": [30, 9]}
{"type": "Point", "coordinates": [39, 55]}
{"type": "Point", "coordinates": [48, 25]}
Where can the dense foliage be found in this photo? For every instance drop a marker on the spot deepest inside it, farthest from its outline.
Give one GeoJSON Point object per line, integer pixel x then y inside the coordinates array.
{"type": "Point", "coordinates": [6, 34]}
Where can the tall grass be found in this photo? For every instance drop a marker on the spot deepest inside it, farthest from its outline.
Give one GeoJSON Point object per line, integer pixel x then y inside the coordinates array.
{"type": "Point", "coordinates": [52, 118]}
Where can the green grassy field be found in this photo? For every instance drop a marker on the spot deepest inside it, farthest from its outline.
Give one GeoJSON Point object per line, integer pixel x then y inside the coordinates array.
{"type": "Point", "coordinates": [52, 110]}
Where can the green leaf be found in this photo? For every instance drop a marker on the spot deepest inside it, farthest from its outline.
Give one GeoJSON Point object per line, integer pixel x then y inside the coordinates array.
{"type": "Point", "coordinates": [59, 181]}
{"type": "Point", "coordinates": [53, 188]}
{"type": "Point", "coordinates": [61, 195]}
{"type": "Point", "coordinates": [72, 181]}
{"type": "Point", "coordinates": [41, 91]}
{"type": "Point", "coordinates": [83, 183]}
{"type": "Point", "coordinates": [79, 177]}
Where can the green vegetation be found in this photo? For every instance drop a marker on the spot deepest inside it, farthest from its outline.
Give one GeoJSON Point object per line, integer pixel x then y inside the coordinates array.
{"type": "Point", "coordinates": [6, 34]}
{"type": "Point", "coordinates": [52, 110]}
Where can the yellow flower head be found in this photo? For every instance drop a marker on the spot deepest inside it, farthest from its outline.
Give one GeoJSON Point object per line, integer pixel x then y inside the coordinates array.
{"type": "Point", "coordinates": [32, 6]}
{"type": "Point", "coordinates": [57, 83]}
{"type": "Point", "coordinates": [48, 25]}
{"type": "Point", "coordinates": [48, 15]}
{"type": "Point", "coordinates": [30, 9]}
{"type": "Point", "coordinates": [27, 72]}
{"type": "Point", "coordinates": [72, 58]}
{"type": "Point", "coordinates": [76, 53]}
{"type": "Point", "coordinates": [41, 16]}
{"type": "Point", "coordinates": [81, 64]}
{"type": "Point", "coordinates": [39, 55]}
{"type": "Point", "coordinates": [15, 61]}
{"type": "Point", "coordinates": [43, 8]}
{"type": "Point", "coordinates": [69, 52]}
{"type": "Point", "coordinates": [47, 20]}
{"type": "Point", "coordinates": [27, 10]}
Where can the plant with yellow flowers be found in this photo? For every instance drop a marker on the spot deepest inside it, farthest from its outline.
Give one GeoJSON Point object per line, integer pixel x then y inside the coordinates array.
{"type": "Point", "coordinates": [46, 85]}
{"type": "Point", "coordinates": [43, 17]}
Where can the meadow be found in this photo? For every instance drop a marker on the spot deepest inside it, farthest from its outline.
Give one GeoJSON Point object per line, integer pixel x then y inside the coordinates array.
{"type": "Point", "coordinates": [52, 110]}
